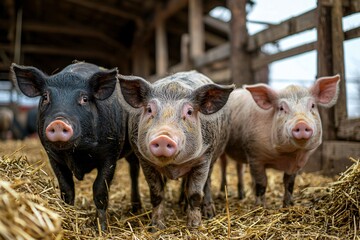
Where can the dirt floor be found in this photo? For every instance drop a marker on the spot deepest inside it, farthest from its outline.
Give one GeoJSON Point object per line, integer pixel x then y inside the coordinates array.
{"type": "Point", "coordinates": [25, 177]}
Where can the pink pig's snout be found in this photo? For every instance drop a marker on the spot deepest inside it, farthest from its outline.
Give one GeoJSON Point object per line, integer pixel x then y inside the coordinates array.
{"type": "Point", "coordinates": [163, 146]}
{"type": "Point", "coordinates": [302, 131]}
{"type": "Point", "coordinates": [59, 131]}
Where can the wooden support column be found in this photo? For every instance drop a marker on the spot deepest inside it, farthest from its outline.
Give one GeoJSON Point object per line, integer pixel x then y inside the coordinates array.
{"type": "Point", "coordinates": [185, 57]}
{"type": "Point", "coordinates": [331, 61]}
{"type": "Point", "coordinates": [18, 31]}
{"type": "Point", "coordinates": [338, 58]}
{"type": "Point", "coordinates": [161, 49]}
{"type": "Point", "coordinates": [196, 28]}
{"type": "Point", "coordinates": [240, 58]}
{"type": "Point", "coordinates": [141, 61]}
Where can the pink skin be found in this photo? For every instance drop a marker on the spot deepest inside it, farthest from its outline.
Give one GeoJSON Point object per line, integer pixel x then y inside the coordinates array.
{"type": "Point", "coordinates": [59, 131]}
{"type": "Point", "coordinates": [277, 129]}
{"type": "Point", "coordinates": [163, 146]}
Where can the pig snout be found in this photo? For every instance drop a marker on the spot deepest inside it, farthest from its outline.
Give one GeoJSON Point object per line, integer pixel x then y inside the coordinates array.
{"type": "Point", "coordinates": [163, 146]}
{"type": "Point", "coordinates": [302, 131]}
{"type": "Point", "coordinates": [59, 131]}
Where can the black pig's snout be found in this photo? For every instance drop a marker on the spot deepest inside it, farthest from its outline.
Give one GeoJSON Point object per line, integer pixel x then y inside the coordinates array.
{"type": "Point", "coordinates": [59, 131]}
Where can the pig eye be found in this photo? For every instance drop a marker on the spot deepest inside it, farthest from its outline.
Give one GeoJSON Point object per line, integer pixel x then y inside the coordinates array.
{"type": "Point", "coordinates": [45, 97]}
{"type": "Point", "coordinates": [84, 99]}
{"type": "Point", "coordinates": [187, 112]}
{"type": "Point", "coordinates": [313, 105]}
{"type": "Point", "coordinates": [281, 108]}
{"type": "Point", "coordinates": [148, 109]}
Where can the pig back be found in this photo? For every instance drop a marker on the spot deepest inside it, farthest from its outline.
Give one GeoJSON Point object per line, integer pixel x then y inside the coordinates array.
{"type": "Point", "coordinates": [249, 125]}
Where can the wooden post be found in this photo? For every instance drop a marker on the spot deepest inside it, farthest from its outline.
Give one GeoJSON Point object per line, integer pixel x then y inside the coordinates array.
{"type": "Point", "coordinates": [161, 49]}
{"type": "Point", "coordinates": [17, 47]}
{"type": "Point", "coordinates": [140, 61]}
{"type": "Point", "coordinates": [196, 28]}
{"type": "Point", "coordinates": [185, 57]}
{"type": "Point", "coordinates": [338, 58]}
{"type": "Point", "coordinates": [240, 59]}
{"type": "Point", "coordinates": [325, 64]}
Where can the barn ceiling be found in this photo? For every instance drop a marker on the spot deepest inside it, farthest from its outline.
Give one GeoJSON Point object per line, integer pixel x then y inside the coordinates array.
{"type": "Point", "coordinates": [54, 33]}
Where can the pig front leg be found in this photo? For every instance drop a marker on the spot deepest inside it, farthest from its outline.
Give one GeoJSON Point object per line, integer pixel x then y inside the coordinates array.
{"type": "Point", "coordinates": [208, 208]}
{"type": "Point", "coordinates": [223, 165]}
{"type": "Point", "coordinates": [240, 167]}
{"type": "Point", "coordinates": [195, 184]}
{"type": "Point", "coordinates": [289, 181]}
{"type": "Point", "coordinates": [65, 180]}
{"type": "Point", "coordinates": [101, 188]}
{"type": "Point", "coordinates": [156, 185]}
{"type": "Point", "coordinates": [259, 177]}
{"type": "Point", "coordinates": [134, 175]}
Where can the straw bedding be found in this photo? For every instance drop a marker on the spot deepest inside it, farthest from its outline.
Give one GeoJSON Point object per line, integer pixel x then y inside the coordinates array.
{"type": "Point", "coordinates": [30, 207]}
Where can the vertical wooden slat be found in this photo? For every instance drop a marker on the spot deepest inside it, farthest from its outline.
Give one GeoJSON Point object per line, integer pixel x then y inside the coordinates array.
{"type": "Point", "coordinates": [240, 59]}
{"type": "Point", "coordinates": [338, 58]}
{"type": "Point", "coordinates": [161, 49]}
{"type": "Point", "coordinates": [325, 64]}
{"type": "Point", "coordinates": [18, 31]}
{"type": "Point", "coordinates": [196, 28]}
{"type": "Point", "coordinates": [141, 62]}
{"type": "Point", "coordinates": [185, 55]}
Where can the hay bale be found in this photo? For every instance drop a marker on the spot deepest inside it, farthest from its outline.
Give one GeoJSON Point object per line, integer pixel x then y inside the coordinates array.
{"type": "Point", "coordinates": [341, 205]}
{"type": "Point", "coordinates": [23, 216]}
{"type": "Point", "coordinates": [324, 209]}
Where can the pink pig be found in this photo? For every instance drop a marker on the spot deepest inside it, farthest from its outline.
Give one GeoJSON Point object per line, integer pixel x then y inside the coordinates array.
{"type": "Point", "coordinates": [276, 129]}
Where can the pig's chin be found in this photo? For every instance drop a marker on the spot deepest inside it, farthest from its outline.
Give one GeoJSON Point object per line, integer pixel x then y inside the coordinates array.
{"type": "Point", "coordinates": [60, 145]}
{"type": "Point", "coordinates": [295, 145]}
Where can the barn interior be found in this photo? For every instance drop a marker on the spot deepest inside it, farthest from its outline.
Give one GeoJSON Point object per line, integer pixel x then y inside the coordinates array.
{"type": "Point", "coordinates": [153, 39]}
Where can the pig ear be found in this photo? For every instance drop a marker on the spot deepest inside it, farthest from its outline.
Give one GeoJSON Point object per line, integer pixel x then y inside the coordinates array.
{"type": "Point", "coordinates": [262, 94]}
{"type": "Point", "coordinates": [326, 90]}
{"type": "Point", "coordinates": [134, 89]}
{"type": "Point", "coordinates": [103, 83]}
{"type": "Point", "coordinates": [30, 80]}
{"type": "Point", "coordinates": [212, 97]}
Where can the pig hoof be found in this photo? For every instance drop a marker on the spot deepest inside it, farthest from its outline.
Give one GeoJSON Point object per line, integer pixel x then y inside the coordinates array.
{"type": "Point", "coordinates": [260, 202]}
{"type": "Point", "coordinates": [241, 195]}
{"type": "Point", "coordinates": [194, 218]}
{"type": "Point", "coordinates": [102, 220]}
{"type": "Point", "coordinates": [155, 226]}
{"type": "Point", "coordinates": [221, 195]}
{"type": "Point", "coordinates": [288, 203]}
{"type": "Point", "coordinates": [136, 207]}
{"type": "Point", "coordinates": [209, 211]}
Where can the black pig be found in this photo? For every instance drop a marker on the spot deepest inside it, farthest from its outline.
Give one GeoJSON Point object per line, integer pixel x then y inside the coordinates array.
{"type": "Point", "coordinates": [82, 126]}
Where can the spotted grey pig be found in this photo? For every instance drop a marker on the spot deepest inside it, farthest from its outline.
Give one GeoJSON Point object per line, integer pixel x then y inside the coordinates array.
{"type": "Point", "coordinates": [180, 128]}
{"type": "Point", "coordinates": [82, 126]}
{"type": "Point", "coordinates": [276, 129]}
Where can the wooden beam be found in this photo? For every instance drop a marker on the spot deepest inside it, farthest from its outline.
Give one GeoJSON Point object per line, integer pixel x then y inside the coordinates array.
{"type": "Point", "coordinates": [267, 59]}
{"type": "Point", "coordinates": [167, 11]}
{"type": "Point", "coordinates": [18, 32]}
{"type": "Point", "coordinates": [352, 33]}
{"type": "Point", "coordinates": [338, 58]}
{"type": "Point", "coordinates": [99, 7]}
{"type": "Point", "coordinates": [74, 53]}
{"type": "Point", "coordinates": [196, 28]}
{"type": "Point", "coordinates": [349, 129]}
{"type": "Point", "coordinates": [212, 55]}
{"type": "Point", "coordinates": [85, 32]}
{"type": "Point", "coordinates": [286, 28]}
{"type": "Point", "coordinates": [161, 48]}
{"type": "Point", "coordinates": [240, 58]}
{"type": "Point", "coordinates": [324, 65]}
{"type": "Point", "coordinates": [217, 24]}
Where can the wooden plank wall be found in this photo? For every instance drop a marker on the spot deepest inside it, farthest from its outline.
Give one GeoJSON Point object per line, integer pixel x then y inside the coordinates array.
{"type": "Point", "coordinates": [238, 60]}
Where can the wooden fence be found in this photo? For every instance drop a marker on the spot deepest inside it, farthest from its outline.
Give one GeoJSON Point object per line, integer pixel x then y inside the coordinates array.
{"type": "Point", "coordinates": [240, 58]}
